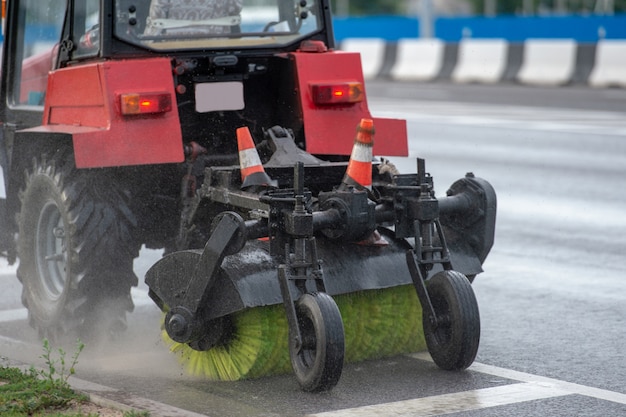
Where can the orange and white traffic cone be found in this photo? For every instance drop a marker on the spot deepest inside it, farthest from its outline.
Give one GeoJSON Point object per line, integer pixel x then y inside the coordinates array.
{"type": "Point", "coordinates": [252, 171]}
{"type": "Point", "coordinates": [359, 172]}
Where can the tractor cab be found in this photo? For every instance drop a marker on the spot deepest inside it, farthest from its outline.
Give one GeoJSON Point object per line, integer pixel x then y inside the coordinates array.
{"type": "Point", "coordinates": [209, 39]}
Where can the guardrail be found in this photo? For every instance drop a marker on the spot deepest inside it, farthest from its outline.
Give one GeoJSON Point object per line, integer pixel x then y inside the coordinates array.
{"type": "Point", "coordinates": [534, 62]}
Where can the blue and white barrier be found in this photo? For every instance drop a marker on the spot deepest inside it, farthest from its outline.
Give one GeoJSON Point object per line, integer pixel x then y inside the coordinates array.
{"type": "Point", "coordinates": [548, 61]}
{"type": "Point", "coordinates": [533, 62]}
{"type": "Point", "coordinates": [480, 60]}
{"type": "Point", "coordinates": [418, 59]}
{"type": "Point", "coordinates": [610, 65]}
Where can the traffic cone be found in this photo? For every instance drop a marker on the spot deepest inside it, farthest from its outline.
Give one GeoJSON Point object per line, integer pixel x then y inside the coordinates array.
{"type": "Point", "coordinates": [359, 172]}
{"type": "Point", "coordinates": [252, 171]}
{"type": "Point", "coordinates": [375, 239]}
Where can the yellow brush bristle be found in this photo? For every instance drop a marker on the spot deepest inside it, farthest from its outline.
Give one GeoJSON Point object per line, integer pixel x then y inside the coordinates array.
{"type": "Point", "coordinates": [377, 324]}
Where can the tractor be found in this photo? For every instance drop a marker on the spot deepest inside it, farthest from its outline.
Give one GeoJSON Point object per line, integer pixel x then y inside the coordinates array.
{"type": "Point", "coordinates": [235, 137]}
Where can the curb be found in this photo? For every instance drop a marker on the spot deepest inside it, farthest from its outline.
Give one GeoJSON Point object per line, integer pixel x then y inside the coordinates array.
{"type": "Point", "coordinates": [554, 62]}
{"type": "Point", "coordinates": [104, 396]}
{"type": "Point", "coordinates": [112, 398]}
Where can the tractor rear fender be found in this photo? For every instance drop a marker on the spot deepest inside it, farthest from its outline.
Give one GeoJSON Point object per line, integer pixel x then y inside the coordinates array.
{"type": "Point", "coordinates": [85, 102]}
{"type": "Point", "coordinates": [330, 128]}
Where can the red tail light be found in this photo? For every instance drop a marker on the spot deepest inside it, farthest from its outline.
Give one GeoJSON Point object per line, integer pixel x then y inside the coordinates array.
{"type": "Point", "coordinates": [336, 93]}
{"type": "Point", "coordinates": [4, 14]}
{"type": "Point", "coordinates": [145, 103]}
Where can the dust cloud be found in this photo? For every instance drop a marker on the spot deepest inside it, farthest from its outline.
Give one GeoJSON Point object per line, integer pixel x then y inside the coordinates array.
{"type": "Point", "coordinates": [139, 350]}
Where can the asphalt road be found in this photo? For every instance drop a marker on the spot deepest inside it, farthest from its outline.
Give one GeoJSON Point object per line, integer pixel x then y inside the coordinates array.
{"type": "Point", "coordinates": [552, 301]}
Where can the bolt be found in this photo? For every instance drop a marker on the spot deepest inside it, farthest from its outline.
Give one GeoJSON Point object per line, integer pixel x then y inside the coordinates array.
{"type": "Point", "coordinates": [177, 325]}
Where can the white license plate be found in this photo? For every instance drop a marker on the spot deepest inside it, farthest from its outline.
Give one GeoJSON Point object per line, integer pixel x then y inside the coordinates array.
{"type": "Point", "coordinates": [219, 96]}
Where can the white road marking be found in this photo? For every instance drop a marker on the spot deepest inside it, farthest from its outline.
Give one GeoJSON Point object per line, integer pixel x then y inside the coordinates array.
{"type": "Point", "coordinates": [11, 340]}
{"type": "Point", "coordinates": [530, 388]}
{"type": "Point", "coordinates": [454, 402]}
{"type": "Point", "coordinates": [3, 193]}
{"type": "Point", "coordinates": [570, 387]}
{"type": "Point", "coordinates": [13, 315]}
{"type": "Point", "coordinates": [553, 210]}
{"type": "Point", "coordinates": [506, 116]}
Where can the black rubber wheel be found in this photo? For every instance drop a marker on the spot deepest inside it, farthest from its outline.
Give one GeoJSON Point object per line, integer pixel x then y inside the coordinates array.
{"type": "Point", "coordinates": [319, 362]}
{"type": "Point", "coordinates": [453, 344]}
{"type": "Point", "coordinates": [76, 251]}
{"type": "Point", "coordinates": [6, 246]}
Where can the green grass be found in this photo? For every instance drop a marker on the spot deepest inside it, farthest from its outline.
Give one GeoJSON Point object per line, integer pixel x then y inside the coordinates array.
{"type": "Point", "coordinates": [27, 394]}
{"type": "Point", "coordinates": [45, 393]}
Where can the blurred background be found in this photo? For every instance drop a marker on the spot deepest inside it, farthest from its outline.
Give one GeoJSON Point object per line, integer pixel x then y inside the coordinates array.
{"type": "Point", "coordinates": [480, 7]}
{"type": "Point", "coordinates": [453, 20]}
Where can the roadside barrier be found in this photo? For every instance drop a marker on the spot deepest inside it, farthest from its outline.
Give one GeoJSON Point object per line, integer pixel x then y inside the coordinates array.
{"type": "Point", "coordinates": [418, 59]}
{"type": "Point", "coordinates": [610, 65]}
{"type": "Point", "coordinates": [550, 62]}
{"type": "Point", "coordinates": [473, 60]}
{"type": "Point", "coordinates": [480, 60]}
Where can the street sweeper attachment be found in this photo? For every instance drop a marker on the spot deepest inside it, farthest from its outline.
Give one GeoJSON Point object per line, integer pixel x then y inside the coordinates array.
{"type": "Point", "coordinates": [333, 261]}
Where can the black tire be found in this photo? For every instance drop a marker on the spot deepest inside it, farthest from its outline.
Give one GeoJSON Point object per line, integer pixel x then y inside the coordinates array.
{"type": "Point", "coordinates": [6, 244]}
{"type": "Point", "coordinates": [319, 363]}
{"type": "Point", "coordinates": [76, 250]}
{"type": "Point", "coordinates": [453, 344]}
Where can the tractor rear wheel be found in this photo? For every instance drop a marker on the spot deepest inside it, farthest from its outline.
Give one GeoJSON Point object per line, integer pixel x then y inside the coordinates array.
{"type": "Point", "coordinates": [76, 250]}
{"type": "Point", "coordinates": [453, 342]}
{"type": "Point", "coordinates": [319, 361]}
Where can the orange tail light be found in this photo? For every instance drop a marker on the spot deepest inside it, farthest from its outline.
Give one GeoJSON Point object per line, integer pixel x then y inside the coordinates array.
{"type": "Point", "coordinates": [337, 93]}
{"type": "Point", "coordinates": [145, 103]}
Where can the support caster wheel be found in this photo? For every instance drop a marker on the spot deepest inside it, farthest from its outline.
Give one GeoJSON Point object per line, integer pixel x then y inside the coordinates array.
{"type": "Point", "coordinates": [318, 362]}
{"type": "Point", "coordinates": [453, 342]}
